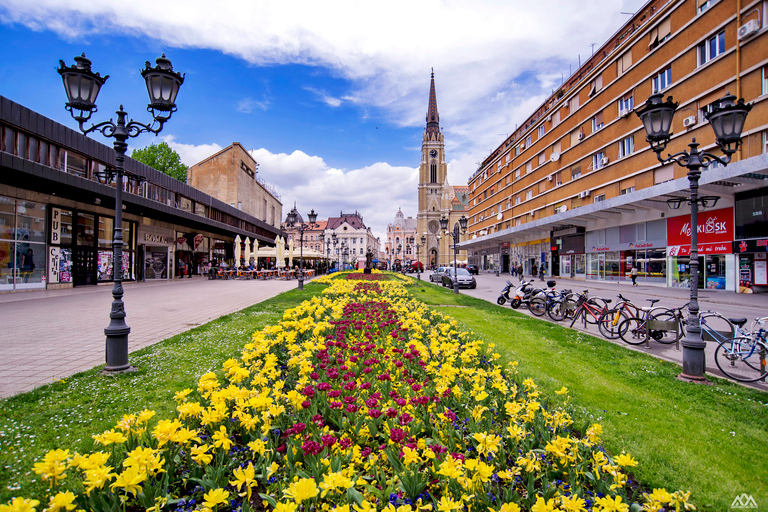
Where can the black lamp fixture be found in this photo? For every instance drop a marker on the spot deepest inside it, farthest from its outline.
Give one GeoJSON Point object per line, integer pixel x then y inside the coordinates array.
{"type": "Point", "coordinates": [290, 220]}
{"type": "Point", "coordinates": [458, 229]}
{"type": "Point", "coordinates": [726, 117]}
{"type": "Point", "coordinates": [82, 86]}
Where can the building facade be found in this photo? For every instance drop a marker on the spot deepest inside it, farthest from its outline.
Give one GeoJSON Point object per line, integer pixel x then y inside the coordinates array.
{"type": "Point", "coordinates": [57, 212]}
{"type": "Point", "coordinates": [436, 197]}
{"type": "Point", "coordinates": [353, 239]}
{"type": "Point", "coordinates": [232, 176]}
{"type": "Point", "coordinates": [402, 237]}
{"type": "Point", "coordinates": [577, 189]}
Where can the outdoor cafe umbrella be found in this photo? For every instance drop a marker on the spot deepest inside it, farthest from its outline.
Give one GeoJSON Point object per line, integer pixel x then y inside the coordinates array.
{"type": "Point", "coordinates": [278, 253]}
{"type": "Point", "coordinates": [290, 253]}
{"type": "Point", "coordinates": [237, 250]}
{"type": "Point", "coordinates": [247, 255]}
{"type": "Point", "coordinates": [256, 250]}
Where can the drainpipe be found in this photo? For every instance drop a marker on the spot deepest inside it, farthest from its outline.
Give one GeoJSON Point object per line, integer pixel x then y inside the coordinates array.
{"type": "Point", "coordinates": [738, 50]}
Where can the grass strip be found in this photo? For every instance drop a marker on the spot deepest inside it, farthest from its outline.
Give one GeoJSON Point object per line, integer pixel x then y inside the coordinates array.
{"type": "Point", "coordinates": [706, 439]}
{"type": "Point", "coordinates": [66, 413]}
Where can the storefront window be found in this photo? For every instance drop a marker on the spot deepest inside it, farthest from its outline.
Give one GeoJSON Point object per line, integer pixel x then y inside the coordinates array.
{"type": "Point", "coordinates": [612, 266]}
{"type": "Point", "coordinates": [681, 272]}
{"type": "Point", "coordinates": [105, 231]}
{"type": "Point", "coordinates": [656, 266]}
{"type": "Point", "coordinates": [22, 244]}
{"type": "Point", "coordinates": [85, 230]}
{"type": "Point", "coordinates": [580, 262]}
{"type": "Point", "coordinates": [715, 272]}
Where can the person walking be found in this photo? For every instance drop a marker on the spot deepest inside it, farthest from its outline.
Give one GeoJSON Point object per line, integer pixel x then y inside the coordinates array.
{"type": "Point", "coordinates": [542, 271]}
{"type": "Point", "coordinates": [633, 275]}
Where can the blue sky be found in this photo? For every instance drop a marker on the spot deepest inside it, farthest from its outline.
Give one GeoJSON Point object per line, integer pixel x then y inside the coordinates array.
{"type": "Point", "coordinates": [330, 96]}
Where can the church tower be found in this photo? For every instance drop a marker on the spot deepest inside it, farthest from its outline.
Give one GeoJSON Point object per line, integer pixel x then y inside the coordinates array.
{"type": "Point", "coordinates": [437, 198]}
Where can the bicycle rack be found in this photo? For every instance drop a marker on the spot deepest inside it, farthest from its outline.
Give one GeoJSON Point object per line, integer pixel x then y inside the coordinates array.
{"type": "Point", "coordinates": [662, 325]}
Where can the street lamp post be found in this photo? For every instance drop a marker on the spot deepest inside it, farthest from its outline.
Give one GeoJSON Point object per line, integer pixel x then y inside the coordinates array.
{"type": "Point", "coordinates": [456, 239]}
{"type": "Point", "coordinates": [82, 87]}
{"type": "Point", "coordinates": [727, 118]}
{"type": "Point", "coordinates": [424, 245]}
{"type": "Point", "coordinates": [302, 226]}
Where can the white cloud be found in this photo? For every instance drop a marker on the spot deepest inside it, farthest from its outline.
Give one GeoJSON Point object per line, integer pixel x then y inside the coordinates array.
{"type": "Point", "coordinates": [324, 97]}
{"type": "Point", "coordinates": [247, 105]}
{"type": "Point", "coordinates": [189, 153]}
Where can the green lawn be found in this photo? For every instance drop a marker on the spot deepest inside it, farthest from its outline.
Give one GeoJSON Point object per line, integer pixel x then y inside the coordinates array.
{"type": "Point", "coordinates": [710, 440]}
{"type": "Point", "coordinates": [706, 439]}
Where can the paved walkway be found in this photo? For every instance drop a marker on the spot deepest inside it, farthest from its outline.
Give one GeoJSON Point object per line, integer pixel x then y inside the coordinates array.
{"type": "Point", "coordinates": [729, 304]}
{"type": "Point", "coordinates": [51, 334]}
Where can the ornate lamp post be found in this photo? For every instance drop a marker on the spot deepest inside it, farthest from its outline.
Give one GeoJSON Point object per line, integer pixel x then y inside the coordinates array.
{"type": "Point", "coordinates": [456, 239]}
{"type": "Point", "coordinates": [727, 118]}
{"type": "Point", "coordinates": [82, 86]}
{"type": "Point", "coordinates": [321, 237]}
{"type": "Point", "coordinates": [302, 226]}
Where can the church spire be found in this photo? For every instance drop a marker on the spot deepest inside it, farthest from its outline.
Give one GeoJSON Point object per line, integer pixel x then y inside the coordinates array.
{"type": "Point", "coordinates": [433, 118]}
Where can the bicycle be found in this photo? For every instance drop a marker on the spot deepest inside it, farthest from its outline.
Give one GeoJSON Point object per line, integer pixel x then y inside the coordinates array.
{"type": "Point", "coordinates": [743, 357]}
{"type": "Point", "coordinates": [543, 304]}
{"type": "Point", "coordinates": [612, 318]}
{"type": "Point", "coordinates": [588, 308]}
{"type": "Point", "coordinates": [635, 331]}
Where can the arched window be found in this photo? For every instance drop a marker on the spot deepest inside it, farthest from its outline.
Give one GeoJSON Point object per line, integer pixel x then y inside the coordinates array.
{"type": "Point", "coordinates": [433, 172]}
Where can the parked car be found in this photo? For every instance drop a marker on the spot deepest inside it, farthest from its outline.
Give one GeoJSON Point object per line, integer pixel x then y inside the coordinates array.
{"type": "Point", "coordinates": [473, 269]}
{"type": "Point", "coordinates": [437, 275]}
{"type": "Point", "coordinates": [461, 275]}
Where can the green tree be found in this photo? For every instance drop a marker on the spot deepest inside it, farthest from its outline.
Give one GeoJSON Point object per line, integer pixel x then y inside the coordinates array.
{"type": "Point", "coordinates": [163, 158]}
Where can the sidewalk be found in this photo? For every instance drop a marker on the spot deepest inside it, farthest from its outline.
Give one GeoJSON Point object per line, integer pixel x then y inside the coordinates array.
{"type": "Point", "coordinates": [729, 304]}
{"type": "Point", "coordinates": [51, 334]}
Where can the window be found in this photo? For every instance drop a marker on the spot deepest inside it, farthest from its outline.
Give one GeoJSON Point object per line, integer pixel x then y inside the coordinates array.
{"type": "Point", "coordinates": [765, 77]}
{"type": "Point", "coordinates": [662, 80]}
{"type": "Point", "coordinates": [706, 4]}
{"type": "Point", "coordinates": [664, 173]}
{"type": "Point", "coordinates": [597, 160]}
{"type": "Point", "coordinates": [433, 172]}
{"type": "Point", "coordinates": [528, 166]}
{"type": "Point", "coordinates": [556, 118]}
{"type": "Point", "coordinates": [574, 103]}
{"type": "Point", "coordinates": [626, 104]}
{"type": "Point", "coordinates": [659, 33]}
{"type": "Point", "coordinates": [599, 197]}
{"type": "Point", "coordinates": [518, 200]}
{"type": "Point", "coordinates": [542, 158]}
{"type": "Point", "coordinates": [595, 85]}
{"type": "Point", "coordinates": [517, 150]}
{"type": "Point", "coordinates": [529, 195]}
{"type": "Point", "coordinates": [711, 48]}
{"type": "Point", "coordinates": [517, 173]}
{"type": "Point", "coordinates": [626, 191]}
{"type": "Point", "coordinates": [765, 142]}
{"type": "Point", "coordinates": [528, 141]}
{"type": "Point", "coordinates": [576, 136]}
{"type": "Point", "coordinates": [542, 130]}
{"type": "Point", "coordinates": [627, 146]}
{"type": "Point", "coordinates": [597, 122]}
{"type": "Point", "coordinates": [624, 62]}
{"type": "Point", "coordinates": [575, 171]}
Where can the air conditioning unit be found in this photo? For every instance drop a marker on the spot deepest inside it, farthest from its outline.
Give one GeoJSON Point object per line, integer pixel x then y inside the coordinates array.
{"type": "Point", "coordinates": [584, 194]}
{"type": "Point", "coordinates": [581, 135]}
{"type": "Point", "coordinates": [624, 112]}
{"type": "Point", "coordinates": [689, 121]}
{"type": "Point", "coordinates": [522, 145]}
{"type": "Point", "coordinates": [550, 178]}
{"type": "Point", "coordinates": [561, 209]}
{"type": "Point", "coordinates": [533, 214]}
{"type": "Point", "coordinates": [549, 118]}
{"type": "Point", "coordinates": [748, 29]}
{"type": "Point", "coordinates": [604, 160]}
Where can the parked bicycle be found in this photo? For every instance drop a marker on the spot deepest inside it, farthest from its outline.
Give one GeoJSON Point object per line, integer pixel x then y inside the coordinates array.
{"type": "Point", "coordinates": [588, 309]}
{"type": "Point", "coordinates": [742, 357]}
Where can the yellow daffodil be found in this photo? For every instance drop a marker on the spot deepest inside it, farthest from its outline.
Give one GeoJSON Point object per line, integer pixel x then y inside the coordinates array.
{"type": "Point", "coordinates": [608, 504]}
{"type": "Point", "coordinates": [215, 497]}
{"type": "Point", "coordinates": [130, 480]}
{"type": "Point", "coordinates": [625, 460]}
{"type": "Point", "coordinates": [244, 477]}
{"type": "Point", "coordinates": [61, 501]}
{"type": "Point", "coordinates": [301, 490]}
{"type": "Point", "coordinates": [19, 504]}
{"type": "Point", "coordinates": [221, 439]}
{"type": "Point", "coordinates": [509, 507]}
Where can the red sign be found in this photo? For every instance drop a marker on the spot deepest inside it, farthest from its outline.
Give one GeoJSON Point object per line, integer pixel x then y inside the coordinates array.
{"type": "Point", "coordinates": [181, 240]}
{"type": "Point", "coordinates": [198, 240]}
{"type": "Point", "coordinates": [685, 250]}
{"type": "Point", "coordinates": [714, 227]}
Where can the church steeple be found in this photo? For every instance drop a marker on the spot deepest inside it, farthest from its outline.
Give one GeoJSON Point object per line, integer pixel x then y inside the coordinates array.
{"type": "Point", "coordinates": [433, 118]}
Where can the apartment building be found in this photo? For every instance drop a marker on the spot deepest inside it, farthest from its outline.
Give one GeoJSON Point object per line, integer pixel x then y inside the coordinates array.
{"type": "Point", "coordinates": [577, 188]}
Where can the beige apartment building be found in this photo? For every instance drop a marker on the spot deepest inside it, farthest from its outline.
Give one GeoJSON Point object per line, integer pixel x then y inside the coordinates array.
{"type": "Point", "coordinates": [577, 188]}
{"type": "Point", "coordinates": [231, 175]}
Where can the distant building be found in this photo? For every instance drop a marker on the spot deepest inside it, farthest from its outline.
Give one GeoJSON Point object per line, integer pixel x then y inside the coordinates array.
{"type": "Point", "coordinates": [231, 175]}
{"type": "Point", "coordinates": [401, 242]}
{"type": "Point", "coordinates": [353, 238]}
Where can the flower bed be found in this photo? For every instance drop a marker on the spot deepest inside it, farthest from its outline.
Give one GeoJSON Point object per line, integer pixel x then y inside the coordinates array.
{"type": "Point", "coordinates": [361, 399]}
{"type": "Point", "coordinates": [367, 277]}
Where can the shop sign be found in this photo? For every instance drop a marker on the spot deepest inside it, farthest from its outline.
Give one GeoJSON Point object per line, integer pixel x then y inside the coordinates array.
{"type": "Point", "coordinates": [714, 226]}
{"type": "Point", "coordinates": [685, 250]}
{"type": "Point", "coordinates": [601, 249]}
{"type": "Point", "coordinates": [155, 239]}
{"type": "Point", "coordinates": [54, 265]}
{"type": "Point", "coordinates": [641, 245]}
{"type": "Point", "coordinates": [760, 245]}
{"type": "Point", "coordinates": [761, 272]}
{"type": "Point", "coordinates": [56, 226]}
{"type": "Point", "coordinates": [181, 240]}
{"type": "Point", "coordinates": [505, 245]}
{"type": "Point", "coordinates": [198, 240]}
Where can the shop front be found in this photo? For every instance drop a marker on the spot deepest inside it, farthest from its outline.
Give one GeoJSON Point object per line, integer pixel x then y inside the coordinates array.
{"type": "Point", "coordinates": [715, 248]}
{"type": "Point", "coordinates": [751, 241]}
{"type": "Point", "coordinates": [569, 249]}
{"type": "Point", "coordinates": [612, 253]}
{"type": "Point", "coordinates": [22, 244]}
{"type": "Point", "coordinates": [155, 250]}
{"type": "Point", "coordinates": [194, 250]}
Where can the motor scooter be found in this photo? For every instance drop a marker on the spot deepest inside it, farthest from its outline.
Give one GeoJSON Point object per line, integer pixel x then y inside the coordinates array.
{"type": "Point", "coordinates": [504, 296]}
{"type": "Point", "coordinates": [525, 292]}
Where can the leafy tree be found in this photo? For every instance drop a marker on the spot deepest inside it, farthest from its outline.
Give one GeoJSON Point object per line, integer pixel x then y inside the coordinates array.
{"type": "Point", "coordinates": [163, 158]}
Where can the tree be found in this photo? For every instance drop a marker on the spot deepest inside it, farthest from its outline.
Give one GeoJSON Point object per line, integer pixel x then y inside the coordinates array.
{"type": "Point", "coordinates": [163, 158]}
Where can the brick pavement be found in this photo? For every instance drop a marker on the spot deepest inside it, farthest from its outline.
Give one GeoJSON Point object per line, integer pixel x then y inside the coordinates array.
{"type": "Point", "coordinates": [51, 334]}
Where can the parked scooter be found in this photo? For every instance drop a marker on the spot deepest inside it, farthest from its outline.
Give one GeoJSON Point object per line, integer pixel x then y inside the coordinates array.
{"type": "Point", "coordinates": [504, 297]}
{"type": "Point", "coordinates": [525, 292]}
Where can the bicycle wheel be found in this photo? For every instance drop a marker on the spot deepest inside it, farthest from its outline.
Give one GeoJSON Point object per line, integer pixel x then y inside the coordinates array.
{"type": "Point", "coordinates": [556, 310]}
{"type": "Point", "coordinates": [742, 359]}
{"type": "Point", "coordinates": [609, 323]}
{"type": "Point", "coordinates": [666, 336]}
{"type": "Point", "coordinates": [538, 306]}
{"type": "Point", "coordinates": [569, 303]}
{"type": "Point", "coordinates": [632, 331]}
{"type": "Point", "coordinates": [592, 313]}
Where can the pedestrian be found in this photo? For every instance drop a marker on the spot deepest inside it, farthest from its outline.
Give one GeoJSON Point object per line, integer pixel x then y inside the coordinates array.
{"type": "Point", "coordinates": [542, 271]}
{"type": "Point", "coordinates": [520, 271]}
{"type": "Point", "coordinates": [633, 275]}
{"type": "Point", "coordinates": [182, 267]}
